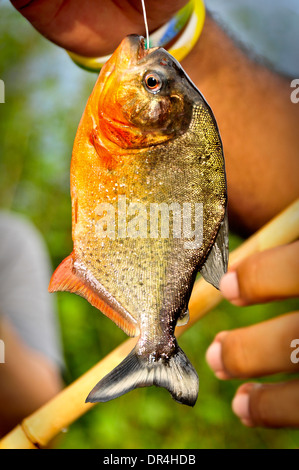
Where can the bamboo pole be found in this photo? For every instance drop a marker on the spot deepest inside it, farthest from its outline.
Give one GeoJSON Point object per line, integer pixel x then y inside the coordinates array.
{"type": "Point", "coordinates": [17, 439]}
{"type": "Point", "coordinates": [38, 429]}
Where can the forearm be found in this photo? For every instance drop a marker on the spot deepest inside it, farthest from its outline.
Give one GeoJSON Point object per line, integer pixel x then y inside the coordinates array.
{"type": "Point", "coordinates": [258, 124]}
{"type": "Point", "coordinates": [27, 379]}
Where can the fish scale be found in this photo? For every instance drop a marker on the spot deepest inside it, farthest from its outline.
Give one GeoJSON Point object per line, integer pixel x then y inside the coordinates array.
{"type": "Point", "coordinates": [151, 265]}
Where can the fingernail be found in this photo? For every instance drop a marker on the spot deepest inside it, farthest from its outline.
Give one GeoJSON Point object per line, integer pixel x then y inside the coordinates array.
{"type": "Point", "coordinates": [214, 359]}
{"type": "Point", "coordinates": [229, 286]}
{"type": "Point", "coordinates": [240, 406]}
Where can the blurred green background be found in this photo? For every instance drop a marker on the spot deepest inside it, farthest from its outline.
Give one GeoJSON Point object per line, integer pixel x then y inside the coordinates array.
{"type": "Point", "coordinates": [45, 96]}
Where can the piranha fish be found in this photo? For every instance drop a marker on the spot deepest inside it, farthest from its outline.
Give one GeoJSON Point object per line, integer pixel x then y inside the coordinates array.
{"type": "Point", "coordinates": [147, 144]}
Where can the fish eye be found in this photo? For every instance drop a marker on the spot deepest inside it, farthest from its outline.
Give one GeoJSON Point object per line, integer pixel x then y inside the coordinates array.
{"type": "Point", "coordinates": [152, 82]}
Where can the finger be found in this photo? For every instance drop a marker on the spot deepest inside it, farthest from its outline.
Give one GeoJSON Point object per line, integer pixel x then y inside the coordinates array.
{"type": "Point", "coordinates": [268, 405]}
{"type": "Point", "coordinates": [266, 348]}
{"type": "Point", "coordinates": [269, 275]}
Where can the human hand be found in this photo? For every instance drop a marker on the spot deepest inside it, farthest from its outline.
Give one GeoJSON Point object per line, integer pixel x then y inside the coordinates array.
{"type": "Point", "coordinates": [94, 28]}
{"type": "Point", "coordinates": [265, 348]}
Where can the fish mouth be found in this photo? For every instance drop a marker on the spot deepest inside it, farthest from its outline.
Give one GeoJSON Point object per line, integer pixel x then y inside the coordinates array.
{"type": "Point", "coordinates": [133, 47]}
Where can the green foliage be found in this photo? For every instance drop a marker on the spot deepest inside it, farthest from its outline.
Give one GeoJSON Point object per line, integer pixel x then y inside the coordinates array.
{"type": "Point", "coordinates": [45, 97]}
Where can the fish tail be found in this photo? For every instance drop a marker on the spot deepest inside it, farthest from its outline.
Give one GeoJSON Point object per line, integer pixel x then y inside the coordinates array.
{"type": "Point", "coordinates": [176, 374]}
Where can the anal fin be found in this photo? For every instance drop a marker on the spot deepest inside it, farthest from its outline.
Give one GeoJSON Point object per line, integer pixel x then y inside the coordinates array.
{"type": "Point", "coordinates": [66, 278]}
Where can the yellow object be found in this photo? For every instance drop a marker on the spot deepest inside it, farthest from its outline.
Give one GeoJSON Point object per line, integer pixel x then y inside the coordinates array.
{"type": "Point", "coordinates": [188, 39]}
{"type": "Point", "coordinates": [191, 17]}
{"type": "Point", "coordinates": [17, 439]}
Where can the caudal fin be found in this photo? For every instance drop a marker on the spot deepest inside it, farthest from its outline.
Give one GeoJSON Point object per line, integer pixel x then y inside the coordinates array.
{"type": "Point", "coordinates": [177, 375]}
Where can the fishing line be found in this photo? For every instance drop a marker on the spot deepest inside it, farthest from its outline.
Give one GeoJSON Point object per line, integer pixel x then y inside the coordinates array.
{"type": "Point", "coordinates": [145, 23]}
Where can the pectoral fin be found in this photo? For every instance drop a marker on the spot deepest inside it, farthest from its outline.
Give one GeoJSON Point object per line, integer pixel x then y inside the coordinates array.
{"type": "Point", "coordinates": [66, 278]}
{"type": "Point", "coordinates": [183, 318]}
{"type": "Point", "coordinates": [215, 265]}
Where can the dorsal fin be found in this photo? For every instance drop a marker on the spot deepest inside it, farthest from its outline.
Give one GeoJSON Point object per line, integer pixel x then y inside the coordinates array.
{"type": "Point", "coordinates": [66, 278]}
